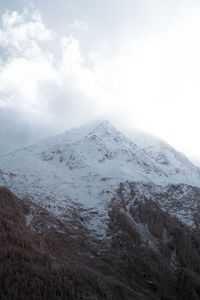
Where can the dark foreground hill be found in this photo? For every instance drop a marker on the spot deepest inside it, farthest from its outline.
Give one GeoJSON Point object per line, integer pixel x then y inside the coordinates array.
{"type": "Point", "coordinates": [149, 254]}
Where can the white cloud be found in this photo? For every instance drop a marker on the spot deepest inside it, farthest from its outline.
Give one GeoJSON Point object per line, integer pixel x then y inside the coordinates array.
{"type": "Point", "coordinates": [21, 34]}
{"type": "Point", "coordinates": [43, 71]}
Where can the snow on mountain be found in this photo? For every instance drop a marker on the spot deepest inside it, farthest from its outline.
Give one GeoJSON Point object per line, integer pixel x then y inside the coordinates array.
{"type": "Point", "coordinates": [82, 168]}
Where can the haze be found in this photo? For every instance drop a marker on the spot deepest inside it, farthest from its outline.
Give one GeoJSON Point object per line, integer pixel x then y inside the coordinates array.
{"type": "Point", "coordinates": [65, 63]}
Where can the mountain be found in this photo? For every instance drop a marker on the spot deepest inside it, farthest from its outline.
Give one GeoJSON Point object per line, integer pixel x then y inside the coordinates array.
{"type": "Point", "coordinates": [83, 168]}
{"type": "Point", "coordinates": [99, 215]}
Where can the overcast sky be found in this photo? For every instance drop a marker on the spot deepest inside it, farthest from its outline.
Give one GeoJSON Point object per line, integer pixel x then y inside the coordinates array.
{"type": "Point", "coordinates": [64, 63]}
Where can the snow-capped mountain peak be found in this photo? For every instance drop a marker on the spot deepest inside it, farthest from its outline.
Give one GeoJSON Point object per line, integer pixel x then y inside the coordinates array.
{"type": "Point", "coordinates": [85, 166]}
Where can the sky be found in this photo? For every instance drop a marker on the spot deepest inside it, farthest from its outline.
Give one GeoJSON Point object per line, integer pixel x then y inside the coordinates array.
{"type": "Point", "coordinates": [65, 63]}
